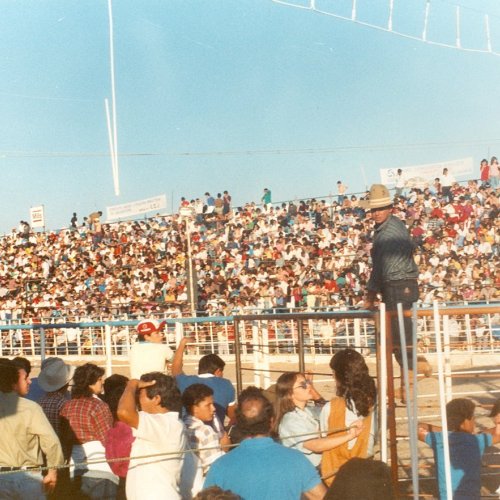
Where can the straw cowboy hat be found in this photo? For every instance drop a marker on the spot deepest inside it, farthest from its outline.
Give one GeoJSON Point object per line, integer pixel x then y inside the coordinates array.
{"type": "Point", "coordinates": [378, 197]}
{"type": "Point", "coordinates": [55, 373]}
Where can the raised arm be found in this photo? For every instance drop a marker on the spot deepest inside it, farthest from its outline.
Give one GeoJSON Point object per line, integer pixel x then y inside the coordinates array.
{"type": "Point", "coordinates": [424, 429]}
{"type": "Point", "coordinates": [127, 408]}
{"type": "Point", "coordinates": [178, 357]}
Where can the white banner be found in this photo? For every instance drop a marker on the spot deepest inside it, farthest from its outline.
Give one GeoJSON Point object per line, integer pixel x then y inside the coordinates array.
{"type": "Point", "coordinates": [137, 207]}
{"type": "Point", "coordinates": [429, 171]}
{"type": "Point", "coordinates": [37, 216]}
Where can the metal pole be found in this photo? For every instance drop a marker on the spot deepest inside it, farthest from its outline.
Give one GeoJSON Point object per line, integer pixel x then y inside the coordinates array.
{"type": "Point", "coordinates": [190, 266]}
{"type": "Point", "coordinates": [108, 350]}
{"type": "Point", "coordinates": [237, 353]}
{"type": "Point", "coordinates": [409, 399]}
{"type": "Point", "coordinates": [381, 349]}
{"type": "Point", "coordinates": [300, 331]}
{"type": "Point", "coordinates": [391, 413]}
{"type": "Point", "coordinates": [42, 345]}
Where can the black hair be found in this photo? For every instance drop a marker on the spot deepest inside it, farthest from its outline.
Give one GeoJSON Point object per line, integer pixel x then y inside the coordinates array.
{"type": "Point", "coordinates": [8, 375]}
{"type": "Point", "coordinates": [22, 363]}
{"type": "Point", "coordinates": [210, 363]}
{"type": "Point", "coordinates": [195, 394]}
{"type": "Point", "coordinates": [112, 399]}
{"type": "Point", "coordinates": [216, 493]}
{"type": "Point", "coordinates": [254, 414]}
{"type": "Point", "coordinates": [85, 376]}
{"type": "Point", "coordinates": [354, 383]}
{"type": "Point", "coordinates": [362, 478]}
{"type": "Point", "coordinates": [115, 381]}
{"type": "Point", "coordinates": [166, 388]}
{"type": "Point", "coordinates": [457, 411]}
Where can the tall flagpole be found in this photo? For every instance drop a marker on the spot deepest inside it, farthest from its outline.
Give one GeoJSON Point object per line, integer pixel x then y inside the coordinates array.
{"type": "Point", "coordinates": [114, 149]}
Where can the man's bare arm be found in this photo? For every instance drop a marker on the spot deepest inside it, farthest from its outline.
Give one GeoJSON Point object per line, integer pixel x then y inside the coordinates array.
{"type": "Point", "coordinates": [178, 357]}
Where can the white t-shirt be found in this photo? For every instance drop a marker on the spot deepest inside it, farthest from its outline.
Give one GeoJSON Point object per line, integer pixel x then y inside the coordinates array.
{"type": "Point", "coordinates": [156, 478]}
{"type": "Point", "coordinates": [148, 357]}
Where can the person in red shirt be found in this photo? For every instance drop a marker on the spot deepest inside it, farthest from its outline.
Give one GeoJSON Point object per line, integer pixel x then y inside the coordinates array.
{"type": "Point", "coordinates": [85, 421]}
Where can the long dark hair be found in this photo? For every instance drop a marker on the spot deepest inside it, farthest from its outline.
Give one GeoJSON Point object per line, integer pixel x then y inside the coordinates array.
{"type": "Point", "coordinates": [284, 402]}
{"type": "Point", "coordinates": [354, 383]}
{"type": "Point", "coordinates": [85, 376]}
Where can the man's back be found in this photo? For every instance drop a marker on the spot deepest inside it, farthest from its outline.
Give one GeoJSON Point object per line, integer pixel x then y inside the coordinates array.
{"type": "Point", "coordinates": [146, 357]}
{"type": "Point", "coordinates": [262, 469]}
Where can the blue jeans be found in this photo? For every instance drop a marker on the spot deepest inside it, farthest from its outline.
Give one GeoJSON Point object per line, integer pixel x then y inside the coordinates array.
{"type": "Point", "coordinates": [97, 487]}
{"type": "Point", "coordinates": [21, 485]}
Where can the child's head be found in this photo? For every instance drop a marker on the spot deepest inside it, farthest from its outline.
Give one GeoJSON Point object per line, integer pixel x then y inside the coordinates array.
{"type": "Point", "coordinates": [164, 392]}
{"type": "Point", "coordinates": [460, 415]}
{"type": "Point", "coordinates": [199, 402]}
{"type": "Point", "coordinates": [495, 412]}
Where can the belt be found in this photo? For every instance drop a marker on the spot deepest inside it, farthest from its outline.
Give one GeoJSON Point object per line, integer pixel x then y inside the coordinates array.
{"type": "Point", "coordinates": [9, 469]}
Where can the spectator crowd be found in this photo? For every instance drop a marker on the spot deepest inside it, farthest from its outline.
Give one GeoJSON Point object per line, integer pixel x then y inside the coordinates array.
{"type": "Point", "coordinates": [303, 255]}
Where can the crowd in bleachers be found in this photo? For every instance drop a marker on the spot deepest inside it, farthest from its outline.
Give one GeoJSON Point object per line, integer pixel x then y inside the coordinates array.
{"type": "Point", "coordinates": [305, 255]}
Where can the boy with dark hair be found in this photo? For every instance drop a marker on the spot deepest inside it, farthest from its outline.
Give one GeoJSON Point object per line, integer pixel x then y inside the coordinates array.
{"type": "Point", "coordinates": [465, 446]}
{"type": "Point", "coordinates": [205, 433]}
{"type": "Point", "coordinates": [157, 430]}
{"type": "Point", "coordinates": [210, 373]}
{"type": "Point", "coordinates": [210, 363]}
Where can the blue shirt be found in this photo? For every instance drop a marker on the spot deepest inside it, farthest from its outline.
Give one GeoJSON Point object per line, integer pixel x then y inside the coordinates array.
{"type": "Point", "coordinates": [465, 462]}
{"type": "Point", "coordinates": [260, 469]}
{"type": "Point", "coordinates": [295, 424]}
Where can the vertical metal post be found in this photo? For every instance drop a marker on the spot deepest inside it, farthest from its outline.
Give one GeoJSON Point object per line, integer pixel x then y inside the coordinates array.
{"type": "Point", "coordinates": [300, 338]}
{"type": "Point", "coordinates": [42, 345]}
{"type": "Point", "coordinates": [391, 413]}
{"type": "Point", "coordinates": [237, 353]}
{"type": "Point", "coordinates": [381, 349]}
{"type": "Point", "coordinates": [108, 350]}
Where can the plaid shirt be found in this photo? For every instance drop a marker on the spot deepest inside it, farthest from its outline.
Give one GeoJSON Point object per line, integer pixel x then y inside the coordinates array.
{"type": "Point", "coordinates": [89, 419]}
{"type": "Point", "coordinates": [201, 436]}
{"type": "Point", "coordinates": [51, 405]}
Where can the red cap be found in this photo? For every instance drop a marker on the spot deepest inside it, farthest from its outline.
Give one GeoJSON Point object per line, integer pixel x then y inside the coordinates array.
{"type": "Point", "coordinates": [149, 326]}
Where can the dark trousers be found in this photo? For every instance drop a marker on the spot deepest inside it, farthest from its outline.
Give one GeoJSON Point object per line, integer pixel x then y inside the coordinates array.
{"type": "Point", "coordinates": [403, 292]}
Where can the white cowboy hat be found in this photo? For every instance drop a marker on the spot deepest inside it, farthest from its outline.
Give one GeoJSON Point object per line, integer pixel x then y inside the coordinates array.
{"type": "Point", "coordinates": [378, 197]}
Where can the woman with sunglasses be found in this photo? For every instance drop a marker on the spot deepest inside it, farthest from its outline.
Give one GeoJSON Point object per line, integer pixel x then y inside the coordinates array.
{"type": "Point", "coordinates": [355, 399]}
{"type": "Point", "coordinates": [297, 418]}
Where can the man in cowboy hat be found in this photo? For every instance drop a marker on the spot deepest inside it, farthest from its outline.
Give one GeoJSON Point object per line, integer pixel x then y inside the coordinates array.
{"type": "Point", "coordinates": [149, 353]}
{"type": "Point", "coordinates": [394, 271]}
{"type": "Point", "coordinates": [54, 379]}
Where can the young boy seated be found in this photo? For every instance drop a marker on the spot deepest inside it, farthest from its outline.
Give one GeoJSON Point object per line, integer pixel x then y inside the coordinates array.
{"type": "Point", "coordinates": [158, 430]}
{"type": "Point", "coordinates": [206, 434]}
{"type": "Point", "coordinates": [466, 448]}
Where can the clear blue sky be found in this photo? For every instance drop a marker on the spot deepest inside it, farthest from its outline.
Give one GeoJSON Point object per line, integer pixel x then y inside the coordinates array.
{"type": "Point", "coordinates": [233, 94]}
